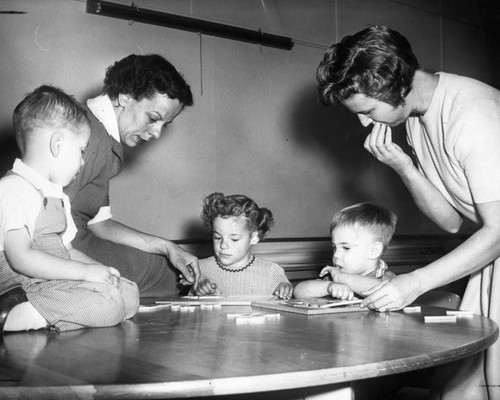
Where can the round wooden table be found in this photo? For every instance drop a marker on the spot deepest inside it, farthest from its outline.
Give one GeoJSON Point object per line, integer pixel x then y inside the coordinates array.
{"type": "Point", "coordinates": [175, 354]}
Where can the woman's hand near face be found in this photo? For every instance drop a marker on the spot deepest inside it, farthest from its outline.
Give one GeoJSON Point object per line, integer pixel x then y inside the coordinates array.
{"type": "Point", "coordinates": [379, 143]}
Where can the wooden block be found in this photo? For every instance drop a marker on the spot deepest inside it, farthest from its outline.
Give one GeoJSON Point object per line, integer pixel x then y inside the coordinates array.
{"type": "Point", "coordinates": [460, 313]}
{"type": "Point", "coordinates": [432, 319]}
{"type": "Point", "coordinates": [412, 310]}
{"type": "Point", "coordinates": [243, 315]}
{"type": "Point", "coordinates": [257, 319]}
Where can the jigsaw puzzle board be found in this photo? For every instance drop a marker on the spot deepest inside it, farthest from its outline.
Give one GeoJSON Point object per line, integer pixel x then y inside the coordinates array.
{"type": "Point", "coordinates": [311, 306]}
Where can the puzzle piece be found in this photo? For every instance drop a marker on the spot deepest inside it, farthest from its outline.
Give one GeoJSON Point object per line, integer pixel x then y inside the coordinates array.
{"type": "Point", "coordinates": [432, 319]}
{"type": "Point", "coordinates": [460, 313]}
{"type": "Point", "coordinates": [252, 318]}
{"type": "Point", "coordinates": [152, 307]}
{"type": "Point", "coordinates": [412, 310]}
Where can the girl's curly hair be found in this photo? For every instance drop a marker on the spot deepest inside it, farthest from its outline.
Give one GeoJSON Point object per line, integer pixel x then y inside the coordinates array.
{"type": "Point", "coordinates": [217, 205]}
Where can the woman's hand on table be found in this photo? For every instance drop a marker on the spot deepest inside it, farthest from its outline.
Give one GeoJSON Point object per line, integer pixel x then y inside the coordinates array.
{"type": "Point", "coordinates": [392, 294]}
{"type": "Point", "coordinates": [379, 143]}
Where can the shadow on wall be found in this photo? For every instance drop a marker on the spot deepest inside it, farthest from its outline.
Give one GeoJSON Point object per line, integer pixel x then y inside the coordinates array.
{"type": "Point", "coordinates": [196, 231]}
{"type": "Point", "coordinates": [8, 149]}
{"type": "Point", "coordinates": [337, 136]}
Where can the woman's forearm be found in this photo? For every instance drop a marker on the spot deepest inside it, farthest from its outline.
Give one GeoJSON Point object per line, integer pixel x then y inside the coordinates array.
{"type": "Point", "coordinates": [475, 253]}
{"type": "Point", "coordinates": [119, 233]}
{"type": "Point", "coordinates": [430, 201]}
{"type": "Point", "coordinates": [358, 283]}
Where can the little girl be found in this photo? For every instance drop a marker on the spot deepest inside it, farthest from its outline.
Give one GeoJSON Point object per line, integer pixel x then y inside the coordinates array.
{"type": "Point", "coordinates": [238, 224]}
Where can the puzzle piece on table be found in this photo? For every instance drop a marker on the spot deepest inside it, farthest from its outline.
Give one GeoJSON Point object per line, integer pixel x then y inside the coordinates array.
{"type": "Point", "coordinates": [252, 314]}
{"type": "Point", "coordinates": [255, 319]}
{"type": "Point", "coordinates": [460, 313]}
{"type": "Point", "coordinates": [187, 308]}
{"type": "Point", "coordinates": [412, 310]}
{"type": "Point", "coordinates": [210, 307]}
{"type": "Point", "coordinates": [152, 307]}
{"type": "Point", "coordinates": [252, 318]}
{"type": "Point", "coordinates": [433, 319]}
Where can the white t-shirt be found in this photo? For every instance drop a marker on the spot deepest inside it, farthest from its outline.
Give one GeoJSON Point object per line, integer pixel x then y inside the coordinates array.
{"type": "Point", "coordinates": [21, 201]}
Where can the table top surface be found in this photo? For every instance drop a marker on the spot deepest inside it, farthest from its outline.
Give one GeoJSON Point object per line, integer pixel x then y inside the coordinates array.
{"type": "Point", "coordinates": [169, 354]}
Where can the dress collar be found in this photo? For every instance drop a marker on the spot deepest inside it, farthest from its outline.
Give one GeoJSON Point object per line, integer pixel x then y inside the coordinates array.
{"type": "Point", "coordinates": [102, 107]}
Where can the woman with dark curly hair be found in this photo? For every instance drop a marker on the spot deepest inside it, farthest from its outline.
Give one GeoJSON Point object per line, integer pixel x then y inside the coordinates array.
{"type": "Point", "coordinates": [141, 96]}
{"type": "Point", "coordinates": [238, 224]}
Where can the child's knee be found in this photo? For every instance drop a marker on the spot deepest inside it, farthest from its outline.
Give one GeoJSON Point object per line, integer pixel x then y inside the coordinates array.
{"type": "Point", "coordinates": [130, 295]}
{"type": "Point", "coordinates": [113, 308]}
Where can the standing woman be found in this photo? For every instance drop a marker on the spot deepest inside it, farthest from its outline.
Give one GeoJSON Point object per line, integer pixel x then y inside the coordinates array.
{"type": "Point", "coordinates": [453, 127]}
{"type": "Point", "coordinates": [141, 96]}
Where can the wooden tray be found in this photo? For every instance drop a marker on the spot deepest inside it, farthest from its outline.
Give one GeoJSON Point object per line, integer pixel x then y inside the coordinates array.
{"type": "Point", "coordinates": [311, 306]}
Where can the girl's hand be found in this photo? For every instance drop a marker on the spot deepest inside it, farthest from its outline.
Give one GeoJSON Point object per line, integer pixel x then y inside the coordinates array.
{"type": "Point", "coordinates": [101, 273]}
{"type": "Point", "coordinates": [333, 271]}
{"type": "Point", "coordinates": [379, 143]}
{"type": "Point", "coordinates": [392, 294]}
{"type": "Point", "coordinates": [284, 290]}
{"type": "Point", "coordinates": [340, 291]}
{"type": "Point", "coordinates": [206, 288]}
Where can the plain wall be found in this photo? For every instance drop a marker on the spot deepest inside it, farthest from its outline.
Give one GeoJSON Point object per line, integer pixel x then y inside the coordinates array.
{"type": "Point", "coordinates": [256, 126]}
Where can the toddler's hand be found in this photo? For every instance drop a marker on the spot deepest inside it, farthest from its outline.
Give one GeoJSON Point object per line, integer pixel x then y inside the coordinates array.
{"type": "Point", "coordinates": [206, 288]}
{"type": "Point", "coordinates": [101, 273]}
{"type": "Point", "coordinates": [284, 290]}
{"type": "Point", "coordinates": [333, 271]}
{"type": "Point", "coordinates": [340, 291]}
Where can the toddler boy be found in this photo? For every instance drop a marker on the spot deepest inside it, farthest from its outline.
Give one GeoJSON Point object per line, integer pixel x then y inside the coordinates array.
{"type": "Point", "coordinates": [360, 235]}
{"type": "Point", "coordinates": [44, 282]}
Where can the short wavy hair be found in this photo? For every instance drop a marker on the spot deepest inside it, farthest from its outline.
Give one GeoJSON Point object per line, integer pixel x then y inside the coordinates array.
{"type": "Point", "coordinates": [47, 107]}
{"type": "Point", "coordinates": [142, 76]}
{"type": "Point", "coordinates": [378, 220]}
{"type": "Point", "coordinates": [258, 219]}
{"type": "Point", "coordinates": [377, 62]}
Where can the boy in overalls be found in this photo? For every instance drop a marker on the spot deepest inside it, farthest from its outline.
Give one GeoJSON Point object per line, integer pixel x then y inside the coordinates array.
{"type": "Point", "coordinates": [44, 282]}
